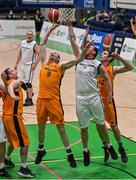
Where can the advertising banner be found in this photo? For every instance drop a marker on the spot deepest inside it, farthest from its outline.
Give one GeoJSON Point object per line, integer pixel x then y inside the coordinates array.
{"type": "Point", "coordinates": [60, 35]}
{"type": "Point", "coordinates": [16, 27]}
{"type": "Point", "coordinates": [128, 50]}
{"type": "Point", "coordinates": [117, 44]}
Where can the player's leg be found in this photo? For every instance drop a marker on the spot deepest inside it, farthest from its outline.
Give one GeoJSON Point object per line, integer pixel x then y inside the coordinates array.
{"type": "Point", "coordinates": [96, 108]}
{"type": "Point", "coordinates": [28, 79]}
{"type": "Point", "coordinates": [84, 119]}
{"type": "Point", "coordinates": [65, 141]}
{"type": "Point", "coordinates": [24, 171]}
{"type": "Point", "coordinates": [41, 136]}
{"type": "Point", "coordinates": [121, 149]}
{"type": "Point", "coordinates": [3, 172]}
{"type": "Point", "coordinates": [8, 161]}
{"type": "Point", "coordinates": [56, 116]}
{"type": "Point", "coordinates": [111, 118]}
{"type": "Point", "coordinates": [41, 119]}
{"type": "Point", "coordinates": [3, 139]}
{"type": "Point", "coordinates": [9, 128]}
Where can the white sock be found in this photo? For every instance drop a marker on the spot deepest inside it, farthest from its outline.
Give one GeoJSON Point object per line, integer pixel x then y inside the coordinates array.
{"type": "Point", "coordinates": [8, 158]}
{"type": "Point", "coordinates": [109, 145]}
{"type": "Point", "coordinates": [23, 165]}
{"type": "Point", "coordinates": [1, 165]}
{"type": "Point", "coordinates": [85, 149]}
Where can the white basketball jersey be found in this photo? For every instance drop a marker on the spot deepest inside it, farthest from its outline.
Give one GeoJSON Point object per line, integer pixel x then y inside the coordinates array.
{"type": "Point", "coordinates": [86, 73]}
{"type": "Point", "coordinates": [28, 55]}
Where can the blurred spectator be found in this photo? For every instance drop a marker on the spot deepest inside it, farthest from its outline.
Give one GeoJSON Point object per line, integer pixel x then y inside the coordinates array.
{"type": "Point", "coordinates": [102, 16]}
{"type": "Point", "coordinates": [83, 20]}
{"type": "Point", "coordinates": [133, 26]}
{"type": "Point", "coordinates": [11, 15]}
{"type": "Point", "coordinates": [25, 16]}
{"type": "Point", "coordinates": [39, 18]}
{"type": "Point", "coordinates": [117, 17]}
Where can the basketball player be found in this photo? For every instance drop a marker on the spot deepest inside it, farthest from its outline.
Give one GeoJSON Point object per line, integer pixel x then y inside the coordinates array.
{"type": "Point", "coordinates": [12, 120]}
{"type": "Point", "coordinates": [3, 139]}
{"type": "Point", "coordinates": [133, 25]}
{"type": "Point", "coordinates": [110, 109]}
{"type": "Point", "coordinates": [28, 57]}
{"type": "Point", "coordinates": [49, 106]}
{"type": "Point", "coordinates": [88, 101]}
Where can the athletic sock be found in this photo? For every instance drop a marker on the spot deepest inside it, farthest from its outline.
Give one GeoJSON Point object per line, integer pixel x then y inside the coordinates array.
{"type": "Point", "coordinates": [86, 150]}
{"type": "Point", "coordinates": [41, 147]}
{"type": "Point", "coordinates": [24, 165]}
{"type": "Point", "coordinates": [109, 145]}
{"type": "Point", "coordinates": [68, 150]}
{"type": "Point", "coordinates": [104, 143]}
{"type": "Point", "coordinates": [120, 144]}
{"type": "Point", "coordinates": [8, 158]}
{"type": "Point", "coordinates": [1, 165]}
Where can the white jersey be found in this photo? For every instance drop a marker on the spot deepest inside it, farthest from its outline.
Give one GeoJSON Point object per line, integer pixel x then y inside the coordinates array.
{"type": "Point", "coordinates": [86, 82]}
{"type": "Point", "coordinates": [28, 55]}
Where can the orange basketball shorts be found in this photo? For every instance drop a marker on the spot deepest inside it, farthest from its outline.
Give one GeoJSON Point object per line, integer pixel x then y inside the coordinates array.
{"type": "Point", "coordinates": [49, 109]}
{"type": "Point", "coordinates": [110, 112]}
{"type": "Point", "coordinates": [15, 131]}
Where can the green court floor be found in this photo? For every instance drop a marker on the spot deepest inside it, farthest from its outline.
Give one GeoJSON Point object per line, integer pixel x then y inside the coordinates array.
{"type": "Point", "coordinates": [55, 165]}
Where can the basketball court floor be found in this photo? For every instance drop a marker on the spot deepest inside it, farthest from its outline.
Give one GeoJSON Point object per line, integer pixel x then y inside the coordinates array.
{"type": "Point", "coordinates": [55, 165]}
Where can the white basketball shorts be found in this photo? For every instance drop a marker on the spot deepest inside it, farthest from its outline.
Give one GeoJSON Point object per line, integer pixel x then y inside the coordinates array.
{"type": "Point", "coordinates": [25, 74]}
{"type": "Point", "coordinates": [89, 108]}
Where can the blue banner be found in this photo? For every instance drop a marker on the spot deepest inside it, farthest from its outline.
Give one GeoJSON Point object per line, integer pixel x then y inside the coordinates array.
{"type": "Point", "coordinates": [99, 37]}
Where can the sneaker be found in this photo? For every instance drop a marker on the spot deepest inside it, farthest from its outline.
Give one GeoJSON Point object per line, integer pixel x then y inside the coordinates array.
{"type": "Point", "coordinates": [123, 154]}
{"type": "Point", "coordinates": [28, 102]}
{"type": "Point", "coordinates": [113, 153]}
{"type": "Point", "coordinates": [39, 156]}
{"type": "Point", "coordinates": [9, 163]}
{"type": "Point", "coordinates": [4, 173]}
{"type": "Point", "coordinates": [71, 161]}
{"type": "Point", "coordinates": [25, 172]}
{"type": "Point", "coordinates": [106, 154]}
{"type": "Point", "coordinates": [86, 158]}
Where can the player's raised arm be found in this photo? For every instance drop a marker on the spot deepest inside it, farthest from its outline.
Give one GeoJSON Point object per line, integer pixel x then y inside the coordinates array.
{"type": "Point", "coordinates": [72, 37]}
{"type": "Point", "coordinates": [84, 42]}
{"type": "Point", "coordinates": [121, 69]}
{"type": "Point", "coordinates": [43, 42]}
{"type": "Point", "coordinates": [45, 38]}
{"type": "Point", "coordinates": [78, 59]}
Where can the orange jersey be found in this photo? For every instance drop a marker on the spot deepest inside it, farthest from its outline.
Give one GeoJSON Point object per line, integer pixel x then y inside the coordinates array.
{"type": "Point", "coordinates": [50, 81]}
{"type": "Point", "coordinates": [102, 83]}
{"type": "Point", "coordinates": [10, 106]}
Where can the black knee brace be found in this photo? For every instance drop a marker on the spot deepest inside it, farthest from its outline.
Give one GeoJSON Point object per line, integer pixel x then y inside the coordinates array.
{"type": "Point", "coordinates": [24, 86]}
{"type": "Point", "coordinates": [29, 85]}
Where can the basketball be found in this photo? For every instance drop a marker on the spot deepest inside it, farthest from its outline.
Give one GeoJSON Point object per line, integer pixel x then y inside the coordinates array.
{"type": "Point", "coordinates": [53, 15]}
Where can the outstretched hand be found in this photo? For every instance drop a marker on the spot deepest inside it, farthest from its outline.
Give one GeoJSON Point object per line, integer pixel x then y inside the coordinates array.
{"type": "Point", "coordinates": [115, 55]}
{"type": "Point", "coordinates": [69, 22]}
{"type": "Point", "coordinates": [54, 26]}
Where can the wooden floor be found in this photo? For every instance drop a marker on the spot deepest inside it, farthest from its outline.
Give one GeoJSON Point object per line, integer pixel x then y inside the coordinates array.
{"type": "Point", "coordinates": [125, 91]}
